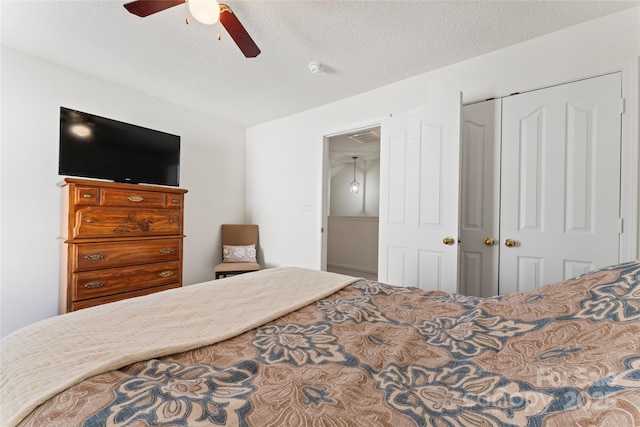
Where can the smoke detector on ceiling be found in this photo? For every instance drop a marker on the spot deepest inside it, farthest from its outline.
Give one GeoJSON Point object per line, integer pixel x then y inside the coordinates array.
{"type": "Point", "coordinates": [316, 67]}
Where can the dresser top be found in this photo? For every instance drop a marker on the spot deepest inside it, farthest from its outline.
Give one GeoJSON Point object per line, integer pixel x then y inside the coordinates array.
{"type": "Point", "coordinates": [120, 185]}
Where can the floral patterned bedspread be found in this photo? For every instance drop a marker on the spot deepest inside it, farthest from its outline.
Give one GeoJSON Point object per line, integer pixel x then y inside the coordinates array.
{"type": "Point", "coordinates": [371, 354]}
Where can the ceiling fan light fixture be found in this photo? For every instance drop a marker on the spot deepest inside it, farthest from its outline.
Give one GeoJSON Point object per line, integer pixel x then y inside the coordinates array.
{"type": "Point", "coordinates": [205, 11]}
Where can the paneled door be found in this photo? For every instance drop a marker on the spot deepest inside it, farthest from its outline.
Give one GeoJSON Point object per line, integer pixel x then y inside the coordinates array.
{"type": "Point", "coordinates": [480, 198]}
{"type": "Point", "coordinates": [560, 184]}
{"type": "Point", "coordinates": [419, 189]}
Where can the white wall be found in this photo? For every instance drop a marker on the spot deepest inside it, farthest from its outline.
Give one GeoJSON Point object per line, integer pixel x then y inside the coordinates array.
{"type": "Point", "coordinates": [278, 190]}
{"type": "Point", "coordinates": [212, 169]}
{"type": "Point", "coordinates": [352, 246]}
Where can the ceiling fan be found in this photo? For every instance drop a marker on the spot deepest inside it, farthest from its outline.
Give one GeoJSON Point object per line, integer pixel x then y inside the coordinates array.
{"type": "Point", "coordinates": [205, 11]}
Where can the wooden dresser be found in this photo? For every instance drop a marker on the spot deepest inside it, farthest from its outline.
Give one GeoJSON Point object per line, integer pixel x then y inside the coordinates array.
{"type": "Point", "coordinates": [118, 241]}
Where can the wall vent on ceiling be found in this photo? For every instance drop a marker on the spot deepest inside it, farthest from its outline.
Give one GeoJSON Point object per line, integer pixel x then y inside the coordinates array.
{"type": "Point", "coordinates": [365, 137]}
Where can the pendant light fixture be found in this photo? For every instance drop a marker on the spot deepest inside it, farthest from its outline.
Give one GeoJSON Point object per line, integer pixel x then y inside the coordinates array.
{"type": "Point", "coordinates": [354, 187]}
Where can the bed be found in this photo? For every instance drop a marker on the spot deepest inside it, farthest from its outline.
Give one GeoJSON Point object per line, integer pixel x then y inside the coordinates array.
{"type": "Point", "coordinates": [297, 347]}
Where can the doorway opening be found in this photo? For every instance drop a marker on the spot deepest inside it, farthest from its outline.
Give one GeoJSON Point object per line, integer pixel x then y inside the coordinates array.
{"type": "Point", "coordinates": [352, 203]}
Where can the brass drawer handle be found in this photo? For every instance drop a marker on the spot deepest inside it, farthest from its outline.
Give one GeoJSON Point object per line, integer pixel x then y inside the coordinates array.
{"type": "Point", "coordinates": [135, 198]}
{"type": "Point", "coordinates": [172, 220]}
{"type": "Point", "coordinates": [94, 257]}
{"type": "Point", "coordinates": [174, 200]}
{"type": "Point", "coordinates": [167, 273]}
{"type": "Point", "coordinates": [167, 250]}
{"type": "Point", "coordinates": [87, 196]}
{"type": "Point", "coordinates": [91, 220]}
{"type": "Point", "coordinates": [94, 284]}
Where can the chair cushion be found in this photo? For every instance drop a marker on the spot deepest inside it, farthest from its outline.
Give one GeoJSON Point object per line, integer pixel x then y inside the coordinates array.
{"type": "Point", "coordinates": [239, 253]}
{"type": "Point", "coordinates": [228, 267]}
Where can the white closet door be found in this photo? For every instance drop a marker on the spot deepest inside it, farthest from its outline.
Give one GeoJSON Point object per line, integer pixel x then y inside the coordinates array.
{"type": "Point", "coordinates": [419, 182]}
{"type": "Point", "coordinates": [560, 182]}
{"type": "Point", "coordinates": [480, 198]}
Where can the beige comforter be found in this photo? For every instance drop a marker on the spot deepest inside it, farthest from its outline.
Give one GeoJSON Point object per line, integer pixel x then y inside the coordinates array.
{"type": "Point", "coordinates": [50, 356]}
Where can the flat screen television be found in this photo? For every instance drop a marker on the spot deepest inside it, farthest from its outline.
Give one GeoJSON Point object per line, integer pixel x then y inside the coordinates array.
{"type": "Point", "coordinates": [96, 147]}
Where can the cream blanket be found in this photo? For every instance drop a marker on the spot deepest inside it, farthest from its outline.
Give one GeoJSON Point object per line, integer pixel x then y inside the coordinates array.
{"type": "Point", "coordinates": [50, 356]}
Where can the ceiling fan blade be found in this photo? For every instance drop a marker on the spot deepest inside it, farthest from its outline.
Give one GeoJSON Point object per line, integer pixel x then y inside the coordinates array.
{"type": "Point", "coordinates": [237, 32]}
{"type": "Point", "coordinates": [144, 8]}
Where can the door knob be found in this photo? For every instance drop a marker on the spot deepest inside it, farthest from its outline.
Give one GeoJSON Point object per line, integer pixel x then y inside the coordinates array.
{"type": "Point", "coordinates": [489, 241]}
{"type": "Point", "coordinates": [510, 243]}
{"type": "Point", "coordinates": [448, 240]}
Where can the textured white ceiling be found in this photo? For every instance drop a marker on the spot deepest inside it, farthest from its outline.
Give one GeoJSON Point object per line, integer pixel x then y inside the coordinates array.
{"type": "Point", "coordinates": [364, 44]}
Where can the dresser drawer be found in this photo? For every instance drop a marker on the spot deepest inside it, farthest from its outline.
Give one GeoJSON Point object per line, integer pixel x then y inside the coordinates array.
{"type": "Point", "coordinates": [117, 297]}
{"type": "Point", "coordinates": [98, 283]}
{"type": "Point", "coordinates": [116, 197]}
{"type": "Point", "coordinates": [86, 195]}
{"type": "Point", "coordinates": [174, 200]}
{"type": "Point", "coordinates": [100, 221]}
{"type": "Point", "coordinates": [91, 256]}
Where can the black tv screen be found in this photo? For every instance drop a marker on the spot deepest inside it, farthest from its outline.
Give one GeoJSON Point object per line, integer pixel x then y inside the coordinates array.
{"type": "Point", "coordinates": [96, 147]}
